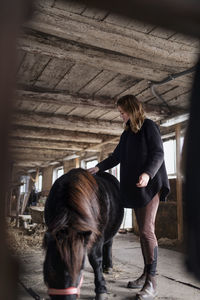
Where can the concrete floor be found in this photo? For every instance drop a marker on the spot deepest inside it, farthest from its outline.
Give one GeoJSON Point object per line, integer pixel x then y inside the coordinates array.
{"type": "Point", "coordinates": [174, 283]}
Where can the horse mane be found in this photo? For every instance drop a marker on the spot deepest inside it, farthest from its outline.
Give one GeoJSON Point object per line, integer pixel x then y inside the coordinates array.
{"type": "Point", "coordinates": [76, 221]}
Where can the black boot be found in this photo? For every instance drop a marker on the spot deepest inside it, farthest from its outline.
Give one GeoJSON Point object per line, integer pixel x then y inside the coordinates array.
{"type": "Point", "coordinates": [149, 290]}
{"type": "Point", "coordinates": [139, 282]}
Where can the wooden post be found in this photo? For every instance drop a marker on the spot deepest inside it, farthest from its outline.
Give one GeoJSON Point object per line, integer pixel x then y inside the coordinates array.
{"type": "Point", "coordinates": [47, 180]}
{"type": "Point", "coordinates": [9, 201]}
{"type": "Point", "coordinates": [9, 193]}
{"type": "Point", "coordinates": [17, 209]}
{"type": "Point", "coordinates": [77, 162]}
{"type": "Point", "coordinates": [179, 184]}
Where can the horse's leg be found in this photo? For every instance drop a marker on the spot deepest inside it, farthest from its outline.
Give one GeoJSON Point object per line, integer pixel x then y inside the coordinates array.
{"type": "Point", "coordinates": [107, 257]}
{"type": "Point", "coordinates": [95, 259]}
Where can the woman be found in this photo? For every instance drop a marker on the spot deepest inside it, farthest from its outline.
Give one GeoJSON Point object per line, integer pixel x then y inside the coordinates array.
{"type": "Point", "coordinates": [143, 181]}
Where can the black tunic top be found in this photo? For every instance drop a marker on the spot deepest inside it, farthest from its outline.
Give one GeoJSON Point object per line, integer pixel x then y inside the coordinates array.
{"type": "Point", "coordinates": [138, 153]}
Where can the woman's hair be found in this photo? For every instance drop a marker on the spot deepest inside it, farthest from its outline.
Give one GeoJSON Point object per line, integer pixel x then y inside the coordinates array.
{"type": "Point", "coordinates": [134, 108]}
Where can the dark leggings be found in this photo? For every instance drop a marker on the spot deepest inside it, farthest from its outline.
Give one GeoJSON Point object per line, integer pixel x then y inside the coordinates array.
{"type": "Point", "coordinates": [146, 222]}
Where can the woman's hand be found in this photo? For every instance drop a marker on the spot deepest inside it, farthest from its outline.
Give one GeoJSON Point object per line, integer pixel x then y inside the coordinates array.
{"type": "Point", "coordinates": [143, 180]}
{"type": "Point", "coordinates": [93, 170]}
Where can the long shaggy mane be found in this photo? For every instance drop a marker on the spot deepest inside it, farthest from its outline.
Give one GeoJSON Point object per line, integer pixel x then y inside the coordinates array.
{"type": "Point", "coordinates": [75, 225]}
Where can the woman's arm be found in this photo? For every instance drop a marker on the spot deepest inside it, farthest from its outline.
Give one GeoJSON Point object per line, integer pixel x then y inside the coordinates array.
{"type": "Point", "coordinates": [109, 162]}
{"type": "Point", "coordinates": [155, 149]}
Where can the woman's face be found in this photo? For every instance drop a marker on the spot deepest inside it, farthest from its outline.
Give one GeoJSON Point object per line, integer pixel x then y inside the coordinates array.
{"type": "Point", "coordinates": [123, 114]}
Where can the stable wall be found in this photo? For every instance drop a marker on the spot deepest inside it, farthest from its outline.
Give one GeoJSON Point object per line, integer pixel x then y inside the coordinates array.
{"type": "Point", "coordinates": [70, 164]}
{"type": "Point", "coordinates": [47, 174]}
{"type": "Point", "coordinates": [166, 221]}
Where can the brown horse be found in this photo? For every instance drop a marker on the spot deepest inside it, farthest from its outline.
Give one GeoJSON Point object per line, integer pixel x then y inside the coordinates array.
{"type": "Point", "coordinates": [82, 213]}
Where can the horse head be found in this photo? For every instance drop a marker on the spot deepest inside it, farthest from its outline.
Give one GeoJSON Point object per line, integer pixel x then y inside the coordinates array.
{"type": "Point", "coordinates": [72, 218]}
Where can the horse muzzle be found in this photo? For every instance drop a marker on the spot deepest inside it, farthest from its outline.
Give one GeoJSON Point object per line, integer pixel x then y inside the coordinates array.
{"type": "Point", "coordinates": [67, 291]}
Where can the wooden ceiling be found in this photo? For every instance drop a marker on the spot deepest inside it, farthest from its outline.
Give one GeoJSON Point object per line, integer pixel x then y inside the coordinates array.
{"type": "Point", "coordinates": [74, 62]}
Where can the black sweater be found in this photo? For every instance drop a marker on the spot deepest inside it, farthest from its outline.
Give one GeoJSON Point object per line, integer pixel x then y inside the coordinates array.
{"type": "Point", "coordinates": [138, 153]}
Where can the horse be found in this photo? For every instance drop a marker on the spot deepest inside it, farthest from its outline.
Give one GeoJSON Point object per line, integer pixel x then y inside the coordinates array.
{"type": "Point", "coordinates": [82, 214]}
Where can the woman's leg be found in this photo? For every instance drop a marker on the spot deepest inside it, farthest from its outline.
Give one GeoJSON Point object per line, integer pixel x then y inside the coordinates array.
{"type": "Point", "coordinates": [146, 222]}
{"type": "Point", "coordinates": [139, 282]}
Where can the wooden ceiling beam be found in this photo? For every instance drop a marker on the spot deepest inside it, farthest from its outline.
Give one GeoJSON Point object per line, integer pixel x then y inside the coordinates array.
{"type": "Point", "coordinates": [53, 47]}
{"type": "Point", "coordinates": [46, 144]}
{"type": "Point", "coordinates": [67, 123]}
{"type": "Point", "coordinates": [99, 146]}
{"type": "Point", "coordinates": [178, 15]}
{"type": "Point", "coordinates": [40, 153]}
{"type": "Point", "coordinates": [63, 98]}
{"type": "Point", "coordinates": [56, 134]}
{"type": "Point", "coordinates": [23, 166]}
{"type": "Point", "coordinates": [84, 30]}
{"type": "Point", "coordinates": [74, 123]}
{"type": "Point", "coordinates": [59, 98]}
{"type": "Point", "coordinates": [38, 157]}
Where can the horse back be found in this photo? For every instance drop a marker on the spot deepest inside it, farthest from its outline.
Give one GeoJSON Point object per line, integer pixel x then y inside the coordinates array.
{"type": "Point", "coordinates": [60, 202]}
{"type": "Point", "coordinates": [111, 209]}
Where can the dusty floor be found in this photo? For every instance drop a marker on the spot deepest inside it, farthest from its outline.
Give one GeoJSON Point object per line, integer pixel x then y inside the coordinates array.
{"type": "Point", "coordinates": [174, 283]}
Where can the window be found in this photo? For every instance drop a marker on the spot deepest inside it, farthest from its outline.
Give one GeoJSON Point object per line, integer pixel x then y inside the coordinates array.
{"type": "Point", "coordinates": [57, 172]}
{"type": "Point", "coordinates": [128, 219]}
{"type": "Point", "coordinates": [116, 171]}
{"type": "Point", "coordinates": [38, 184]}
{"type": "Point", "coordinates": [182, 141]}
{"type": "Point", "coordinates": [91, 163]}
{"type": "Point", "coordinates": [170, 156]}
{"type": "Point", "coordinates": [25, 181]}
